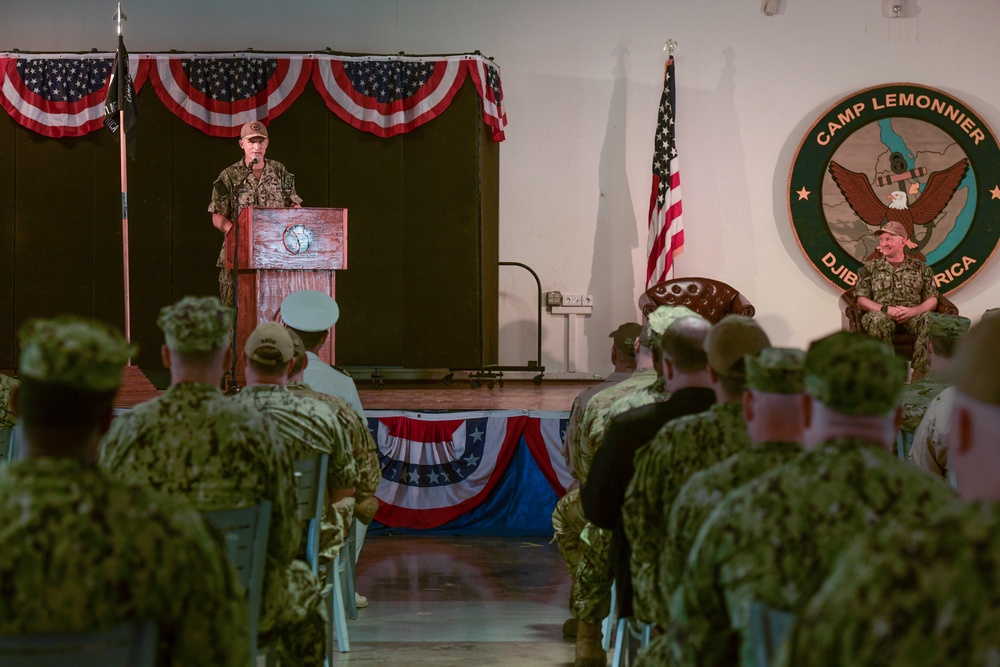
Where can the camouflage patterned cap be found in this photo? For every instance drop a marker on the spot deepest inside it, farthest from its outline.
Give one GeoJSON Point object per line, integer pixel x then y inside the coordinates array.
{"type": "Point", "coordinates": [854, 374]}
{"type": "Point", "coordinates": [196, 324]}
{"type": "Point", "coordinates": [270, 343]}
{"type": "Point", "coordinates": [948, 326]}
{"type": "Point", "coordinates": [73, 351]}
{"type": "Point", "coordinates": [730, 340]}
{"type": "Point", "coordinates": [892, 227]}
{"type": "Point", "coordinates": [776, 370]}
{"type": "Point", "coordinates": [659, 320]}
{"type": "Point", "coordinates": [975, 369]}
{"type": "Point", "coordinates": [990, 312]}
{"type": "Point", "coordinates": [625, 336]}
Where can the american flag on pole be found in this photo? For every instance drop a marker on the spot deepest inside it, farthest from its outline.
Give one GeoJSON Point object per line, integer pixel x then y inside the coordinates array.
{"type": "Point", "coordinates": [666, 228]}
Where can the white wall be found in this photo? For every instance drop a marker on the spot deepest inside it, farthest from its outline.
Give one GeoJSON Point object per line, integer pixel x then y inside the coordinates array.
{"type": "Point", "coordinates": [582, 81]}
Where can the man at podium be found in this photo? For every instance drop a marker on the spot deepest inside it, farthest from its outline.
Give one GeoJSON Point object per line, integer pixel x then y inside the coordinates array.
{"type": "Point", "coordinates": [253, 181]}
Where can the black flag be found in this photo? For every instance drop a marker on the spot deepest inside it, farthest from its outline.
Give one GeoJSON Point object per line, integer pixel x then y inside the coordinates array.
{"type": "Point", "coordinates": [119, 72]}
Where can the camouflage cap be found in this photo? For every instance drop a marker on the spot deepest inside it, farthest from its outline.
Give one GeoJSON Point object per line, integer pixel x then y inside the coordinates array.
{"type": "Point", "coordinates": [659, 320]}
{"type": "Point", "coordinates": [854, 374]}
{"type": "Point", "coordinates": [254, 128]}
{"type": "Point", "coordinates": [73, 351]}
{"type": "Point", "coordinates": [730, 340]}
{"type": "Point", "coordinates": [892, 227]}
{"type": "Point", "coordinates": [948, 326]}
{"type": "Point", "coordinates": [990, 312]}
{"type": "Point", "coordinates": [776, 370]}
{"type": "Point", "coordinates": [270, 343]}
{"type": "Point", "coordinates": [625, 336]}
{"type": "Point", "coordinates": [975, 370]}
{"type": "Point", "coordinates": [309, 310]}
{"type": "Point", "coordinates": [196, 324]}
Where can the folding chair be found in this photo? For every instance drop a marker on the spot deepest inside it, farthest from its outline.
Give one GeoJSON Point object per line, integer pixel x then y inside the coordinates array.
{"type": "Point", "coordinates": [246, 531]}
{"type": "Point", "coordinates": [310, 487]}
{"type": "Point", "coordinates": [125, 645]}
{"type": "Point", "coordinates": [768, 629]}
{"type": "Point", "coordinates": [631, 637]}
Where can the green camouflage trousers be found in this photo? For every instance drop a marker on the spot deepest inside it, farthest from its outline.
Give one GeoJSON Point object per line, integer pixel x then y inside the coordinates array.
{"type": "Point", "coordinates": [295, 624]}
{"type": "Point", "coordinates": [879, 325]}
{"type": "Point", "coordinates": [585, 549]}
{"type": "Point", "coordinates": [594, 576]}
{"type": "Point", "coordinates": [226, 288]}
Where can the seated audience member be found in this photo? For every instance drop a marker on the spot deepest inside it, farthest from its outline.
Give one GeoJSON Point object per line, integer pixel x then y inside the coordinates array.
{"type": "Point", "coordinates": [685, 370]}
{"type": "Point", "coordinates": [927, 594]}
{"type": "Point", "coordinates": [623, 358]}
{"type": "Point", "coordinates": [81, 551]}
{"type": "Point", "coordinates": [307, 425]}
{"type": "Point", "coordinates": [194, 443]}
{"type": "Point", "coordinates": [681, 449]}
{"type": "Point", "coordinates": [897, 289]}
{"type": "Point", "coordinates": [363, 504]}
{"type": "Point", "coordinates": [590, 604]}
{"type": "Point", "coordinates": [774, 540]}
{"type": "Point", "coordinates": [772, 409]}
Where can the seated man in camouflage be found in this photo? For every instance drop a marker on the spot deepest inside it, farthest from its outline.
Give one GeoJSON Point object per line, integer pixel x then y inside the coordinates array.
{"type": "Point", "coordinates": [194, 443]}
{"type": "Point", "coordinates": [585, 547]}
{"type": "Point", "coordinates": [897, 289]}
{"type": "Point", "coordinates": [930, 594]}
{"type": "Point", "coordinates": [307, 425]}
{"type": "Point", "coordinates": [7, 385]}
{"type": "Point", "coordinates": [81, 551]}
{"type": "Point", "coordinates": [772, 410]}
{"type": "Point", "coordinates": [685, 369]}
{"type": "Point", "coordinates": [685, 446]}
{"type": "Point", "coordinates": [363, 505]}
{"type": "Point", "coordinates": [773, 541]}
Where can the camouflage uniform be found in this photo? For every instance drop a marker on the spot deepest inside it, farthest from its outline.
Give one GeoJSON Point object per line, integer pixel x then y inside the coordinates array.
{"type": "Point", "coordinates": [307, 426]}
{"type": "Point", "coordinates": [703, 493]}
{"type": "Point", "coordinates": [775, 539]}
{"type": "Point", "coordinates": [685, 446]}
{"type": "Point", "coordinates": [193, 442]}
{"type": "Point", "coordinates": [568, 521]}
{"type": "Point", "coordinates": [909, 595]}
{"type": "Point", "coordinates": [579, 405]}
{"type": "Point", "coordinates": [235, 189]}
{"type": "Point", "coordinates": [930, 441]}
{"type": "Point", "coordinates": [81, 551]}
{"type": "Point", "coordinates": [7, 385]}
{"type": "Point", "coordinates": [365, 453]}
{"type": "Point", "coordinates": [771, 371]}
{"type": "Point", "coordinates": [910, 284]}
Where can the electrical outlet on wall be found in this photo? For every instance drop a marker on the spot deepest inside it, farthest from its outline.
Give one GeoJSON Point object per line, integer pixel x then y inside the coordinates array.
{"type": "Point", "coordinates": [571, 299]}
{"type": "Point", "coordinates": [588, 300]}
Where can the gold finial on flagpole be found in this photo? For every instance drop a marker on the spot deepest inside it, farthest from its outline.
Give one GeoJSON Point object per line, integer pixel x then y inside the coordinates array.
{"type": "Point", "coordinates": [670, 47]}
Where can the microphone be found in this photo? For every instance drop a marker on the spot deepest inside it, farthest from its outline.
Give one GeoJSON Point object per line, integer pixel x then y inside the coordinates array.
{"type": "Point", "coordinates": [254, 161]}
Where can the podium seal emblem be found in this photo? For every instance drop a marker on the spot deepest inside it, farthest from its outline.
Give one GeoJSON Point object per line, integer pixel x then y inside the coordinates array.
{"type": "Point", "coordinates": [297, 239]}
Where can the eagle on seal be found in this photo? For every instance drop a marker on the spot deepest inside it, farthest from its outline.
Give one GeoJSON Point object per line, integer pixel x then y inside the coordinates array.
{"type": "Point", "coordinates": [857, 190]}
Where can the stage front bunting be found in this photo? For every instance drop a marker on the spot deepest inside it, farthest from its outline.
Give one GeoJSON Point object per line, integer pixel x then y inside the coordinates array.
{"type": "Point", "coordinates": [60, 95]}
{"type": "Point", "coordinates": [438, 466]}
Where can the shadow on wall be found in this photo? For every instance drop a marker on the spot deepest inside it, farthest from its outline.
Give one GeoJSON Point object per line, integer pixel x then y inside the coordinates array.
{"type": "Point", "coordinates": [612, 281]}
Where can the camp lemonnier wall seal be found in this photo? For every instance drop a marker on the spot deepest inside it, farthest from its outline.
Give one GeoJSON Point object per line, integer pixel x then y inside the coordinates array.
{"type": "Point", "coordinates": [897, 152]}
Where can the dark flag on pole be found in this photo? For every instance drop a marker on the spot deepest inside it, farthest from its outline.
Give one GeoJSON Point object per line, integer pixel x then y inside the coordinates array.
{"type": "Point", "coordinates": [666, 228]}
{"type": "Point", "coordinates": [125, 95]}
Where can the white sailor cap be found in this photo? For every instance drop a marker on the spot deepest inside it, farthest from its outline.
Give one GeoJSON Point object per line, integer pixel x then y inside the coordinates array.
{"type": "Point", "coordinates": [309, 310]}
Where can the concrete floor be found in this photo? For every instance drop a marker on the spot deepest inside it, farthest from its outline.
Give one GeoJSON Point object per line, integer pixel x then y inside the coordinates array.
{"type": "Point", "coordinates": [460, 601]}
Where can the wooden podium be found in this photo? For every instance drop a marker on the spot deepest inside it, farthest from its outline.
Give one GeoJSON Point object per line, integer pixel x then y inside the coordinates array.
{"type": "Point", "coordinates": [283, 250]}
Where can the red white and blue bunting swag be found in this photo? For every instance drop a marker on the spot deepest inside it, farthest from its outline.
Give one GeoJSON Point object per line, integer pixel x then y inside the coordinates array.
{"type": "Point", "coordinates": [63, 95]}
{"type": "Point", "coordinates": [436, 467]}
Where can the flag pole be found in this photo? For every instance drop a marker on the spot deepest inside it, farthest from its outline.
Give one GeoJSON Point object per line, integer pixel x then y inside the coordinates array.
{"type": "Point", "coordinates": [119, 18]}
